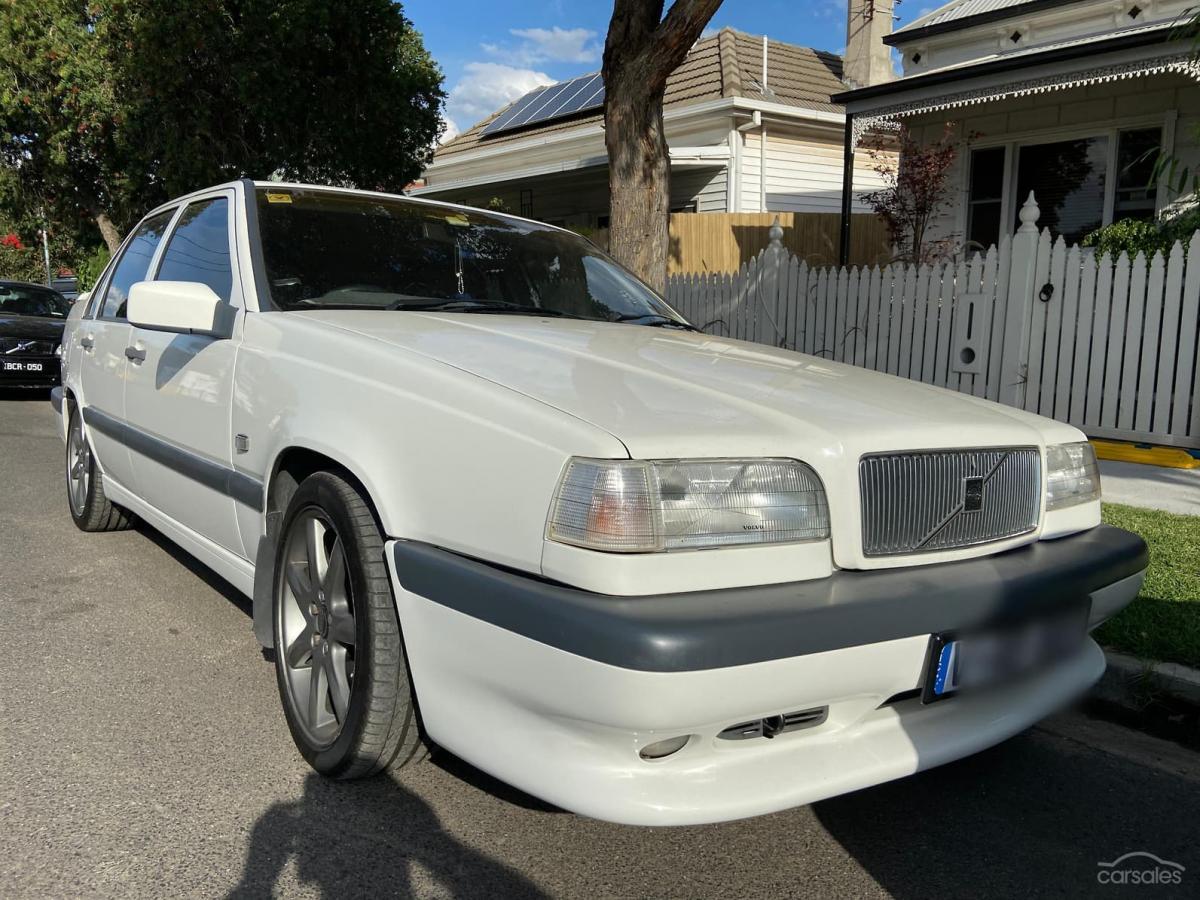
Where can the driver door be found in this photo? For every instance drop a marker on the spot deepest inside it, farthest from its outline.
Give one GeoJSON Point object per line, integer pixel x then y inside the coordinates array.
{"type": "Point", "coordinates": [179, 387]}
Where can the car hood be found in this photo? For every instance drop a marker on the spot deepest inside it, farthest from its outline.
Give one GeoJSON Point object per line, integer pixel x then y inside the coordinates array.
{"type": "Point", "coordinates": [31, 327]}
{"type": "Point", "coordinates": [669, 393]}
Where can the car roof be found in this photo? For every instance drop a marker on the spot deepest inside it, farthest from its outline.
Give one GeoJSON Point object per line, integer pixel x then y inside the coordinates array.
{"type": "Point", "coordinates": [335, 189]}
{"type": "Point", "coordinates": [6, 282]}
{"type": "Point", "coordinates": [415, 201]}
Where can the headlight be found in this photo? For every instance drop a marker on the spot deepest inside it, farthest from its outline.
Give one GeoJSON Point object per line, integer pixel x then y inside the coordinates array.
{"type": "Point", "coordinates": [624, 506]}
{"type": "Point", "coordinates": [1072, 476]}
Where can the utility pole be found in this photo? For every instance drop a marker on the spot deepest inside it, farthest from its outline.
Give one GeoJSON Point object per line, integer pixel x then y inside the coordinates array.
{"type": "Point", "coordinates": [46, 249]}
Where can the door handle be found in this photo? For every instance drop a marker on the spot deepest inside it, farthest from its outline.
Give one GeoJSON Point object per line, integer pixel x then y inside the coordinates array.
{"type": "Point", "coordinates": [87, 343]}
{"type": "Point", "coordinates": [133, 353]}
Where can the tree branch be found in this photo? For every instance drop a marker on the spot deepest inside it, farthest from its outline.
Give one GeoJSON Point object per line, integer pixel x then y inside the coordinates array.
{"type": "Point", "coordinates": [680, 29]}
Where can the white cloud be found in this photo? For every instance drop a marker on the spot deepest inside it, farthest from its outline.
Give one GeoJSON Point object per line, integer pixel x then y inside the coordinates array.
{"type": "Point", "coordinates": [545, 45]}
{"type": "Point", "coordinates": [483, 89]}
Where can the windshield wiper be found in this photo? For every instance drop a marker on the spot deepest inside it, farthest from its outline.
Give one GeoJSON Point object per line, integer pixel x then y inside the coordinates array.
{"type": "Point", "coordinates": [654, 320]}
{"type": "Point", "coordinates": [489, 306]}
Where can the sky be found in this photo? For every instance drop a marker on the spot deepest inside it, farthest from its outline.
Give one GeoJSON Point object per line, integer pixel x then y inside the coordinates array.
{"type": "Point", "coordinates": [493, 51]}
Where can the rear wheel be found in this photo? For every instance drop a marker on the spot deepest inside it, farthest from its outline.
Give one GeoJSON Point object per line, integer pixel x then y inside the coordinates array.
{"type": "Point", "coordinates": [90, 508]}
{"type": "Point", "coordinates": [339, 657]}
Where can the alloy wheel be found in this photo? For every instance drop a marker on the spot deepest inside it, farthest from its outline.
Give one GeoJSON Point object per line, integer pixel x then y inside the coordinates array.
{"type": "Point", "coordinates": [79, 468]}
{"type": "Point", "coordinates": [316, 626]}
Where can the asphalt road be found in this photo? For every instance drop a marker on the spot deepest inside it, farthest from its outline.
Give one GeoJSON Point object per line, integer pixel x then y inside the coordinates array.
{"type": "Point", "coordinates": [143, 753]}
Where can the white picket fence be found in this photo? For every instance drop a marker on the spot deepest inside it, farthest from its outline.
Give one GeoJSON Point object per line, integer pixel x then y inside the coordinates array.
{"type": "Point", "coordinates": [1109, 345]}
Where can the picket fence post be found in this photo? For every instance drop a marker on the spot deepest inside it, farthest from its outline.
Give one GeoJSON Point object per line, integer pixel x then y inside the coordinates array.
{"type": "Point", "coordinates": [1014, 355]}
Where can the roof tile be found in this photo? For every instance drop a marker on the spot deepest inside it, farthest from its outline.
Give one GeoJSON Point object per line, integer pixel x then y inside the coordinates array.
{"type": "Point", "coordinates": [727, 64]}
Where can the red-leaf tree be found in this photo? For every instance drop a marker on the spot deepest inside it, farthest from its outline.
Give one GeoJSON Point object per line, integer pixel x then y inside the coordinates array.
{"type": "Point", "coordinates": [914, 193]}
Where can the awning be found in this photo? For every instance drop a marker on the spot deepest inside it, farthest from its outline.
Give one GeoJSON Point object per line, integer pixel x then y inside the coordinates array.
{"type": "Point", "coordinates": [1099, 59]}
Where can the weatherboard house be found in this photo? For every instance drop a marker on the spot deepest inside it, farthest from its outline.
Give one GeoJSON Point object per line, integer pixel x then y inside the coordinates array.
{"type": "Point", "coordinates": [1069, 99]}
{"type": "Point", "coordinates": [750, 124]}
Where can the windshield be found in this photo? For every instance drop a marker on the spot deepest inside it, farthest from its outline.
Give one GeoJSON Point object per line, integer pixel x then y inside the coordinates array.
{"type": "Point", "coordinates": [326, 250]}
{"type": "Point", "coordinates": [28, 300]}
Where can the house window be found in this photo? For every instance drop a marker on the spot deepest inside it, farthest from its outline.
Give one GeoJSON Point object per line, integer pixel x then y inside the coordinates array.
{"type": "Point", "coordinates": [527, 203]}
{"type": "Point", "coordinates": [1069, 180]}
{"type": "Point", "coordinates": [1081, 184]}
{"type": "Point", "coordinates": [986, 198]}
{"type": "Point", "coordinates": [1137, 155]}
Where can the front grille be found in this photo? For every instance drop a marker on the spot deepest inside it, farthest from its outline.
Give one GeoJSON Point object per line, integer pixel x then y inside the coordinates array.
{"type": "Point", "coordinates": [943, 499]}
{"type": "Point", "coordinates": [22, 346]}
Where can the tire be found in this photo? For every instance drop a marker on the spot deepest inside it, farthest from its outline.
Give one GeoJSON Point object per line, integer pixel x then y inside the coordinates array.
{"type": "Point", "coordinates": [341, 629]}
{"type": "Point", "coordinates": [90, 508]}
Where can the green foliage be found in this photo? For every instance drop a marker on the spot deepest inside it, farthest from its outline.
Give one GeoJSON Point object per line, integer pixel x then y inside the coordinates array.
{"type": "Point", "coordinates": [89, 268]}
{"type": "Point", "coordinates": [109, 109]}
{"type": "Point", "coordinates": [1130, 236]}
{"type": "Point", "coordinates": [20, 262]}
{"type": "Point", "coordinates": [1133, 236]}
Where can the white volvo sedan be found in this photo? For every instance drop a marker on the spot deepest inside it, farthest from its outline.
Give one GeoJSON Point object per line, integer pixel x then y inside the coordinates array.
{"type": "Point", "coordinates": [488, 492]}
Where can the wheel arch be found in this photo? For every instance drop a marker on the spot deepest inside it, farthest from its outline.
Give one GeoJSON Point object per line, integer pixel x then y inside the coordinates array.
{"type": "Point", "coordinates": [291, 465]}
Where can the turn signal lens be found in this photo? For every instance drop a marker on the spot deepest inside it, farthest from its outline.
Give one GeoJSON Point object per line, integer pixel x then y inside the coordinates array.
{"type": "Point", "coordinates": [624, 506]}
{"type": "Point", "coordinates": [1072, 475]}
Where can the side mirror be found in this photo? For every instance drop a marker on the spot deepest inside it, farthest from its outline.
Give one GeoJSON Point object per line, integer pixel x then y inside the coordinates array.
{"type": "Point", "coordinates": [185, 307]}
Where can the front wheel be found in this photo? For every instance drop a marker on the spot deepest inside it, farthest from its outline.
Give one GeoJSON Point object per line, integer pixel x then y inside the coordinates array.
{"type": "Point", "coordinates": [339, 655]}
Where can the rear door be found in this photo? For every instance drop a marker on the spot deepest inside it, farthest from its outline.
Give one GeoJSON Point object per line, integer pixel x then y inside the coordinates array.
{"type": "Point", "coordinates": [178, 388]}
{"type": "Point", "coordinates": [102, 342]}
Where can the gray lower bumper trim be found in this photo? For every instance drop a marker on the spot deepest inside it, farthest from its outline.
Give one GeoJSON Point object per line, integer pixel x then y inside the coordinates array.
{"type": "Point", "coordinates": [739, 626]}
{"type": "Point", "coordinates": [56, 399]}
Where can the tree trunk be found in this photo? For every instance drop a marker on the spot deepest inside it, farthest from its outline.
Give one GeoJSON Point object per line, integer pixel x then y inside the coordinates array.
{"type": "Point", "coordinates": [642, 49]}
{"type": "Point", "coordinates": [639, 185]}
{"type": "Point", "coordinates": [108, 231]}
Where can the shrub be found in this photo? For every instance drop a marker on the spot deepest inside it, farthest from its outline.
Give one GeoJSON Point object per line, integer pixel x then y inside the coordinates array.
{"type": "Point", "coordinates": [19, 262]}
{"type": "Point", "coordinates": [89, 268]}
{"type": "Point", "coordinates": [1133, 236]}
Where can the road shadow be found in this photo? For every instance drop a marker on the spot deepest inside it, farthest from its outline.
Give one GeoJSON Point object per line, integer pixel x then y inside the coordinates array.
{"type": "Point", "coordinates": [370, 838]}
{"type": "Point", "coordinates": [482, 781]}
{"type": "Point", "coordinates": [1009, 822]}
{"type": "Point", "coordinates": [197, 568]}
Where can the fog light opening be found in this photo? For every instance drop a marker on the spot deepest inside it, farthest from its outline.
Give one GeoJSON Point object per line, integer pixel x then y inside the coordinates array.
{"type": "Point", "coordinates": [663, 749]}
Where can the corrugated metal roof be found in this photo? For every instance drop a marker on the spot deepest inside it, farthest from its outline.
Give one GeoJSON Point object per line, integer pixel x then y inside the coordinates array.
{"type": "Point", "coordinates": [960, 9]}
{"type": "Point", "coordinates": [728, 64]}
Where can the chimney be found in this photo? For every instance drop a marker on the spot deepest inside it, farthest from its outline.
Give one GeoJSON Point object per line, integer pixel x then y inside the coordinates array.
{"type": "Point", "coordinates": [868, 58]}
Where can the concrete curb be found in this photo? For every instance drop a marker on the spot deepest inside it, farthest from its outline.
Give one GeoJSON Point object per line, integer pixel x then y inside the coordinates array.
{"type": "Point", "coordinates": [1130, 682]}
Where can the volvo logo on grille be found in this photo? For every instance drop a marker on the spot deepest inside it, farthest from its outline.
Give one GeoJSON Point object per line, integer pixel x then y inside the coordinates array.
{"type": "Point", "coordinates": [973, 494]}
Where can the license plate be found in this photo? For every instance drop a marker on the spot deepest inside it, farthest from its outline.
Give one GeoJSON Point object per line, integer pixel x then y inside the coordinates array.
{"type": "Point", "coordinates": [966, 662]}
{"type": "Point", "coordinates": [22, 366]}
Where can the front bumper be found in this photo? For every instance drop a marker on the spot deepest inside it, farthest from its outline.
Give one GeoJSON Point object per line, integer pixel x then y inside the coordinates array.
{"type": "Point", "coordinates": [555, 690]}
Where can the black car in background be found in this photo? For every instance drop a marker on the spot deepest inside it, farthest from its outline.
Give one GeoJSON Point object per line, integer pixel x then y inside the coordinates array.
{"type": "Point", "coordinates": [31, 328]}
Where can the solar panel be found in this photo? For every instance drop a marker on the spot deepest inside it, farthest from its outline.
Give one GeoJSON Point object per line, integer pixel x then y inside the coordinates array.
{"type": "Point", "coordinates": [516, 109]}
{"type": "Point", "coordinates": [555, 101]}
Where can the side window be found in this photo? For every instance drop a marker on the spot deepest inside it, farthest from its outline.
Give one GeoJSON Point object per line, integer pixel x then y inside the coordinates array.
{"type": "Point", "coordinates": [134, 264]}
{"type": "Point", "coordinates": [198, 249]}
{"type": "Point", "coordinates": [97, 296]}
